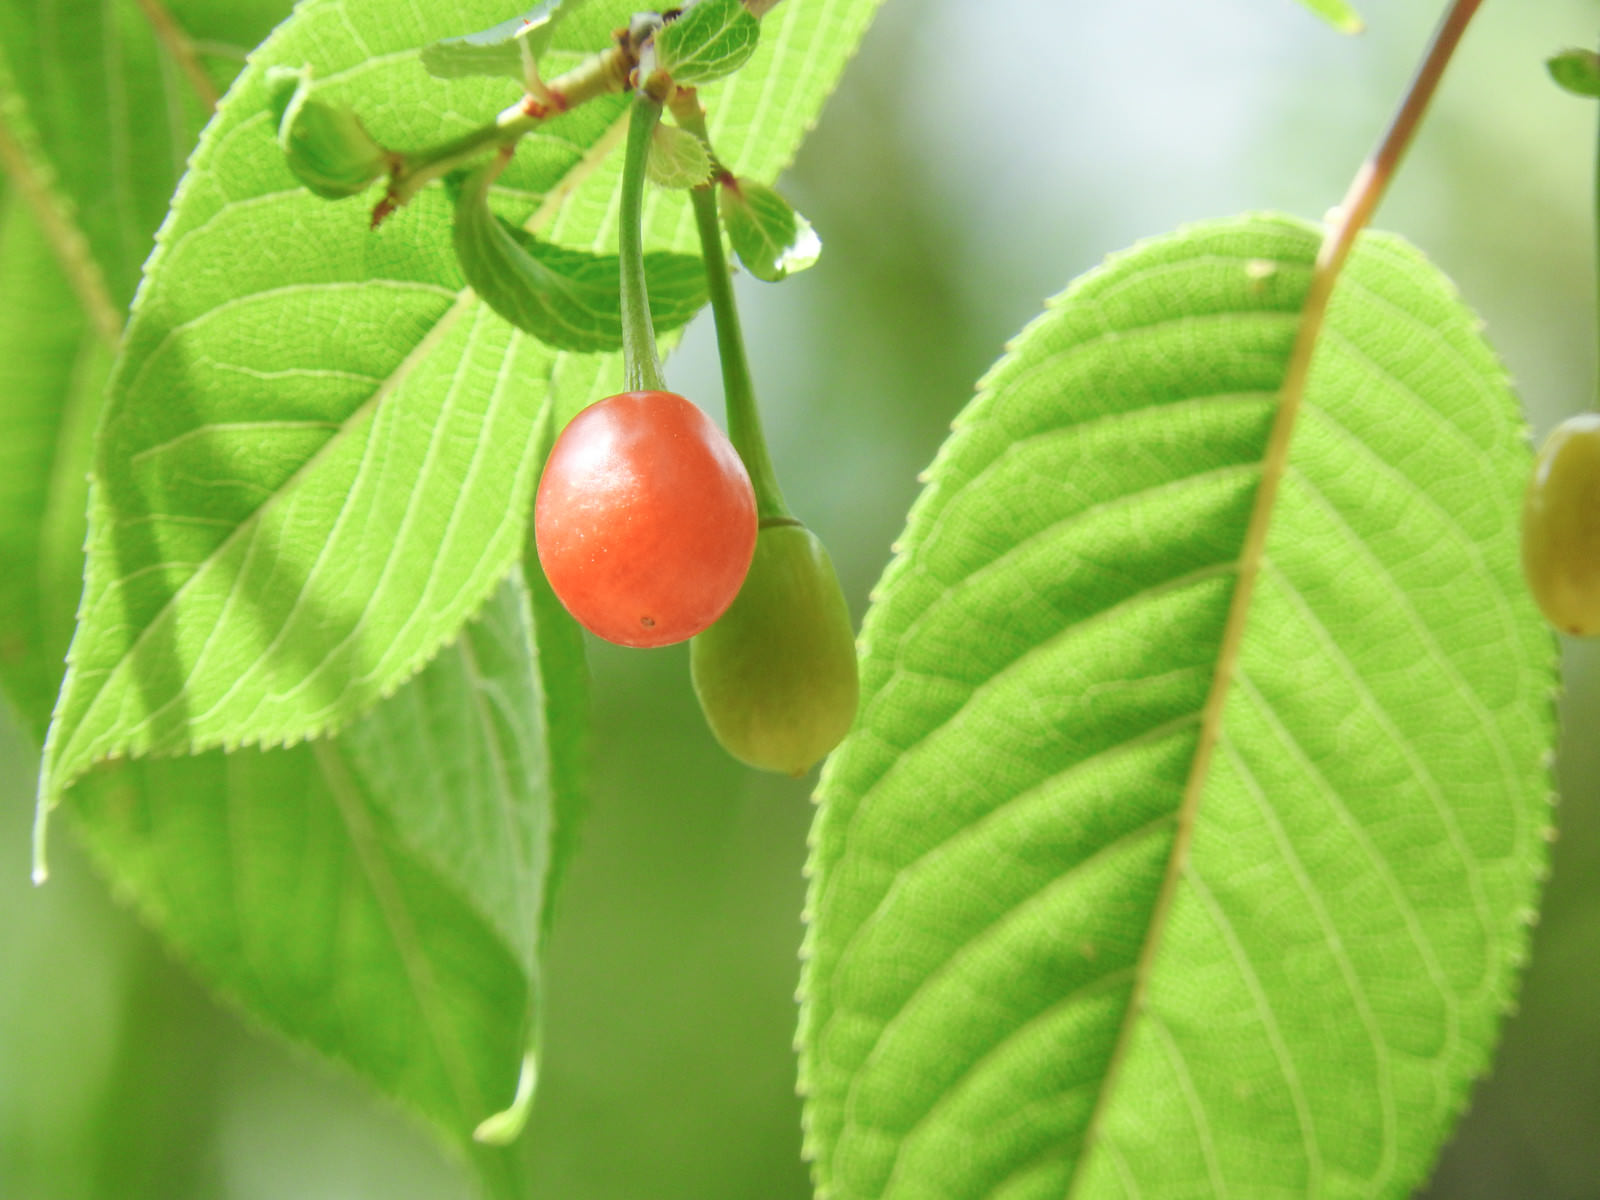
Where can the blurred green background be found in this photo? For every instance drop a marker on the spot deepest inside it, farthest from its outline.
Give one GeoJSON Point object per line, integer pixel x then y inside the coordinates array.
{"type": "Point", "coordinates": [976, 158]}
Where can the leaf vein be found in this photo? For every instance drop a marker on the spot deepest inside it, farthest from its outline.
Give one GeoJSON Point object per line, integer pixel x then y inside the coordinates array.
{"type": "Point", "coordinates": [1420, 771]}
{"type": "Point", "coordinates": [1269, 1023]}
{"type": "Point", "coordinates": [1336, 947]}
{"type": "Point", "coordinates": [1068, 876]}
{"type": "Point", "coordinates": [1191, 1100]}
{"type": "Point", "coordinates": [1104, 983]}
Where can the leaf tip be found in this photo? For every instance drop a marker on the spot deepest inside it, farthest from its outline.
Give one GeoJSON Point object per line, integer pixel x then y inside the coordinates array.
{"type": "Point", "coordinates": [504, 1127]}
{"type": "Point", "coordinates": [40, 870]}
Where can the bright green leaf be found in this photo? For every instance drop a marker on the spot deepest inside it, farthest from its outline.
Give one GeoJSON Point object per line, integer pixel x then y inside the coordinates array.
{"type": "Point", "coordinates": [511, 48]}
{"type": "Point", "coordinates": [564, 681]}
{"type": "Point", "coordinates": [710, 40]}
{"type": "Point", "coordinates": [770, 238]}
{"type": "Point", "coordinates": [568, 299]}
{"type": "Point", "coordinates": [314, 461]}
{"type": "Point", "coordinates": [1578, 71]}
{"type": "Point", "coordinates": [1042, 962]}
{"type": "Point", "coordinates": [1338, 13]}
{"type": "Point", "coordinates": [677, 159]}
{"type": "Point", "coordinates": [453, 769]}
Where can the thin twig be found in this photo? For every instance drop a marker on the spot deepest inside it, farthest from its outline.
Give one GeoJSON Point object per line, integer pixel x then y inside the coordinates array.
{"type": "Point", "coordinates": [66, 239]}
{"type": "Point", "coordinates": [181, 46]}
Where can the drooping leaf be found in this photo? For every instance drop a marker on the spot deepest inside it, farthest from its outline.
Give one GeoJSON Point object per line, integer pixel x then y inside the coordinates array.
{"type": "Point", "coordinates": [1578, 71]}
{"type": "Point", "coordinates": [381, 896]}
{"type": "Point", "coordinates": [564, 680]}
{"type": "Point", "coordinates": [710, 40]}
{"type": "Point", "coordinates": [313, 464]}
{"type": "Point", "coordinates": [1338, 13]}
{"type": "Point", "coordinates": [511, 48]}
{"type": "Point", "coordinates": [1046, 957]}
{"type": "Point", "coordinates": [453, 766]}
{"type": "Point", "coordinates": [568, 299]}
{"type": "Point", "coordinates": [378, 895]}
{"type": "Point", "coordinates": [677, 159]}
{"type": "Point", "coordinates": [771, 239]}
{"type": "Point", "coordinates": [327, 148]}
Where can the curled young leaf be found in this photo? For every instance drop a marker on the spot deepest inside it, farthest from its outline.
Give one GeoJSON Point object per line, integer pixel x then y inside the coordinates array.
{"type": "Point", "coordinates": [1578, 71]}
{"type": "Point", "coordinates": [678, 159]}
{"type": "Point", "coordinates": [710, 40]}
{"type": "Point", "coordinates": [326, 147]}
{"type": "Point", "coordinates": [770, 238]}
{"type": "Point", "coordinates": [566, 298]}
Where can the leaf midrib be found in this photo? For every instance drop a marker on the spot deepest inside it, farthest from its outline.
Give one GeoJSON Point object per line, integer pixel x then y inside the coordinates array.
{"type": "Point", "coordinates": [66, 240]}
{"type": "Point", "coordinates": [1252, 553]}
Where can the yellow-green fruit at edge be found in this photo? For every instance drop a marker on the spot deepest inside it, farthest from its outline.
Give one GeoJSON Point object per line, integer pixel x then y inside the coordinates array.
{"type": "Point", "coordinates": [776, 675]}
{"type": "Point", "coordinates": [1561, 527]}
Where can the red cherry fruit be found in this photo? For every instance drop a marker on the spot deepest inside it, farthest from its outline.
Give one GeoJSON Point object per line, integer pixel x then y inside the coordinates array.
{"type": "Point", "coordinates": [645, 520]}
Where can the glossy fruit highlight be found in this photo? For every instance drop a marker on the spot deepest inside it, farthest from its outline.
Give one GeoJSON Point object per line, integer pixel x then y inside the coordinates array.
{"type": "Point", "coordinates": [1561, 527]}
{"type": "Point", "coordinates": [776, 676]}
{"type": "Point", "coordinates": [645, 520]}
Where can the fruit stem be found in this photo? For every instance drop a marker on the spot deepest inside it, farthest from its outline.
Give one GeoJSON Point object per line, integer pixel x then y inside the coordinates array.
{"type": "Point", "coordinates": [744, 415]}
{"type": "Point", "coordinates": [641, 366]}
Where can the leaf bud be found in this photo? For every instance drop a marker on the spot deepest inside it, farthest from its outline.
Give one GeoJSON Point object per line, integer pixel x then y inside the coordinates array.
{"type": "Point", "coordinates": [327, 147]}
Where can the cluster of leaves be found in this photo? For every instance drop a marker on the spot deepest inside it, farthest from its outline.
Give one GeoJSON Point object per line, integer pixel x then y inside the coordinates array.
{"type": "Point", "coordinates": [1111, 894]}
{"type": "Point", "coordinates": [316, 723]}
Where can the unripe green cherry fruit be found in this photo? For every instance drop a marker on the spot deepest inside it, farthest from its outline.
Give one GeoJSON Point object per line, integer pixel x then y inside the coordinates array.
{"type": "Point", "coordinates": [645, 520]}
{"type": "Point", "coordinates": [1561, 527]}
{"type": "Point", "coordinates": [776, 676]}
